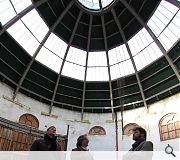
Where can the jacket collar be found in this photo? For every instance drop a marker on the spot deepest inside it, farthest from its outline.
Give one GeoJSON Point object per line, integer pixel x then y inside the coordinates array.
{"type": "Point", "coordinates": [48, 138]}
{"type": "Point", "coordinates": [137, 143]}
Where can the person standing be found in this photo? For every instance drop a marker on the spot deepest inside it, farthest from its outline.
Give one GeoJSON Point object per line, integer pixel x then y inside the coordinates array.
{"type": "Point", "coordinates": [82, 143]}
{"type": "Point", "coordinates": [139, 136]}
{"type": "Point", "coordinates": [141, 148]}
{"type": "Point", "coordinates": [48, 143]}
{"type": "Point", "coordinates": [81, 152]}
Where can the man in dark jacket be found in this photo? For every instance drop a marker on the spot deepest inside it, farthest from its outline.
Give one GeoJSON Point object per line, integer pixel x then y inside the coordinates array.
{"type": "Point", "coordinates": [139, 136]}
{"type": "Point", "coordinates": [48, 143]}
{"type": "Point", "coordinates": [146, 147]}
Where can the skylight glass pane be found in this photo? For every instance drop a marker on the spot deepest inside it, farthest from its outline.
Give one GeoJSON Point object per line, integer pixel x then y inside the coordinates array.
{"type": "Point", "coordinates": [22, 35]}
{"type": "Point", "coordinates": [165, 40]}
{"type": "Point", "coordinates": [174, 26]}
{"type": "Point", "coordinates": [122, 69]}
{"type": "Point", "coordinates": [133, 47]}
{"type": "Point", "coordinates": [148, 55]}
{"type": "Point", "coordinates": [126, 68]}
{"type": "Point", "coordinates": [97, 74]}
{"type": "Point", "coordinates": [76, 56]}
{"type": "Point", "coordinates": [92, 4]}
{"type": "Point", "coordinates": [139, 61]}
{"type": "Point", "coordinates": [168, 6]}
{"type": "Point", "coordinates": [21, 4]}
{"type": "Point", "coordinates": [155, 51]}
{"type": "Point", "coordinates": [49, 59]}
{"type": "Point", "coordinates": [73, 70]}
{"type": "Point", "coordinates": [97, 59]}
{"type": "Point", "coordinates": [171, 34]}
{"type": "Point", "coordinates": [154, 26]}
{"type": "Point", "coordinates": [6, 11]}
{"type": "Point", "coordinates": [162, 17]}
{"type": "Point", "coordinates": [115, 72]}
{"type": "Point", "coordinates": [141, 40]}
{"type": "Point", "coordinates": [35, 24]}
{"type": "Point", "coordinates": [106, 2]}
{"type": "Point", "coordinates": [145, 37]}
{"type": "Point", "coordinates": [118, 54]}
{"type": "Point", "coordinates": [56, 45]}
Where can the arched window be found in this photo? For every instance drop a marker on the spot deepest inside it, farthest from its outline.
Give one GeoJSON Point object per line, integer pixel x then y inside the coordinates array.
{"type": "Point", "coordinates": [97, 130]}
{"type": "Point", "coordinates": [29, 120]}
{"type": "Point", "coordinates": [169, 127]}
{"type": "Point", "coordinates": [128, 129]}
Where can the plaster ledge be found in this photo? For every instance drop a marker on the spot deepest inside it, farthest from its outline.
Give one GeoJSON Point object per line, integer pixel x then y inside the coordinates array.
{"type": "Point", "coordinates": [84, 121]}
{"type": "Point", "coordinates": [49, 115]}
{"type": "Point", "coordinates": [16, 102]}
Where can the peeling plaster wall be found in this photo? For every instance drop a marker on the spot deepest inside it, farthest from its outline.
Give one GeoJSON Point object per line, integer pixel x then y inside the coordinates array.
{"type": "Point", "coordinates": [150, 122]}
{"type": "Point", "coordinates": [61, 118]}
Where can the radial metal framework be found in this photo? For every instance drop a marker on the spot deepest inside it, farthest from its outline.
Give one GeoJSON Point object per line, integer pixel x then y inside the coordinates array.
{"type": "Point", "coordinates": [144, 91]}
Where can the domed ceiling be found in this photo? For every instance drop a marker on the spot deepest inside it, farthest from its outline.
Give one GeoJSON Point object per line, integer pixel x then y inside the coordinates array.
{"type": "Point", "coordinates": [91, 55]}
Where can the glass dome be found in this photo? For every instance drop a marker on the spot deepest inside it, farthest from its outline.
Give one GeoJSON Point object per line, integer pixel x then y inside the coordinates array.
{"type": "Point", "coordinates": [30, 30]}
{"type": "Point", "coordinates": [122, 57]}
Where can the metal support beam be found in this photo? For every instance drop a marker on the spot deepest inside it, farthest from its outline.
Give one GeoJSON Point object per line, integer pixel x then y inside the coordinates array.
{"type": "Point", "coordinates": [64, 59]}
{"type": "Point", "coordinates": [109, 72]}
{"type": "Point", "coordinates": [174, 2]}
{"type": "Point", "coordinates": [158, 43]}
{"type": "Point", "coordinates": [20, 15]}
{"type": "Point", "coordinates": [85, 75]}
{"type": "Point", "coordinates": [39, 48]}
{"type": "Point", "coordinates": [131, 57]}
{"type": "Point", "coordinates": [100, 5]}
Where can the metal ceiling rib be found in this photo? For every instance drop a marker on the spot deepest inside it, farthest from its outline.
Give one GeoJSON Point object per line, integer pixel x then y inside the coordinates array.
{"type": "Point", "coordinates": [131, 57]}
{"type": "Point", "coordinates": [85, 75]}
{"type": "Point", "coordinates": [39, 48]}
{"type": "Point", "coordinates": [62, 65]}
{"type": "Point", "coordinates": [100, 5]}
{"type": "Point", "coordinates": [109, 72]}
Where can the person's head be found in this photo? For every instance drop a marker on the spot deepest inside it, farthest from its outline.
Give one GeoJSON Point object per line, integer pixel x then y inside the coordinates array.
{"type": "Point", "coordinates": [51, 131]}
{"type": "Point", "coordinates": [82, 141]}
{"type": "Point", "coordinates": [138, 133]}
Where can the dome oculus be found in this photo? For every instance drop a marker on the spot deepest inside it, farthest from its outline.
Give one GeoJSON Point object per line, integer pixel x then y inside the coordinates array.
{"type": "Point", "coordinates": [95, 4]}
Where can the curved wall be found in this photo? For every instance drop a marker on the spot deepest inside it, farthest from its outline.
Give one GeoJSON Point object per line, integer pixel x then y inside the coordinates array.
{"type": "Point", "coordinates": [61, 118]}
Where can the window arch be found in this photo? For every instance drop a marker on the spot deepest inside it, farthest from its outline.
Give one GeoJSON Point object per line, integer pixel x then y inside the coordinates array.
{"type": "Point", "coordinates": [97, 130]}
{"type": "Point", "coordinates": [29, 120]}
{"type": "Point", "coordinates": [128, 129]}
{"type": "Point", "coordinates": [169, 127]}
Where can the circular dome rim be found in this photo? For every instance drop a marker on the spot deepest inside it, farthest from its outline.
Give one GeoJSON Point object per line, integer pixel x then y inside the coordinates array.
{"type": "Point", "coordinates": [113, 38]}
{"type": "Point", "coordinates": [96, 11]}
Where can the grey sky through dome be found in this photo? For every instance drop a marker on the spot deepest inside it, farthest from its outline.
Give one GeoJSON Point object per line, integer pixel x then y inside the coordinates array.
{"type": "Point", "coordinates": [95, 4]}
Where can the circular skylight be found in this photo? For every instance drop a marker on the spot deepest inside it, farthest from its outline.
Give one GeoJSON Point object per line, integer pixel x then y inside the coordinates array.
{"type": "Point", "coordinates": [95, 4]}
